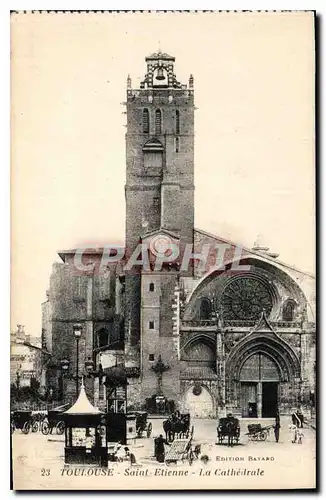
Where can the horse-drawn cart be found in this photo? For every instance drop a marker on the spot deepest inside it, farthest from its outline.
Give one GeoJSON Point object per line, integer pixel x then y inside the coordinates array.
{"type": "Point", "coordinates": [142, 425]}
{"type": "Point", "coordinates": [229, 428]}
{"type": "Point", "coordinates": [178, 427]}
{"type": "Point", "coordinates": [258, 433]}
{"type": "Point", "coordinates": [180, 451]}
{"type": "Point", "coordinates": [53, 421]}
{"type": "Point", "coordinates": [23, 420]}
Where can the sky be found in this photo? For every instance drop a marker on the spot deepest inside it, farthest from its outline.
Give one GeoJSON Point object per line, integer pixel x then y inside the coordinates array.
{"type": "Point", "coordinates": [254, 132]}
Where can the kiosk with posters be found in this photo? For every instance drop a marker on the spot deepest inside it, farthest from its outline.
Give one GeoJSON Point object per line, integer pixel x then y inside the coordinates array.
{"type": "Point", "coordinates": [85, 433]}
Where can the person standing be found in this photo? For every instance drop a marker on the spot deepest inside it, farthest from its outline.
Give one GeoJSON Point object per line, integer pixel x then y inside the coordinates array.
{"type": "Point", "coordinates": [159, 450]}
{"type": "Point", "coordinates": [301, 418]}
{"type": "Point", "coordinates": [300, 435]}
{"type": "Point", "coordinates": [277, 427]}
{"type": "Point", "coordinates": [296, 420]}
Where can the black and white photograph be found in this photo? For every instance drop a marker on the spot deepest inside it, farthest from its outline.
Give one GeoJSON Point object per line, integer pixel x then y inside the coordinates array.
{"type": "Point", "coordinates": [163, 291]}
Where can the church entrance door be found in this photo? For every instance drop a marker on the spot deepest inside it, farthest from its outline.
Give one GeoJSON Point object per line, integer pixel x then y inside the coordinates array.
{"type": "Point", "coordinates": [249, 399]}
{"type": "Point", "coordinates": [198, 402]}
{"type": "Point", "coordinates": [259, 378]}
{"type": "Point", "coordinates": [269, 399]}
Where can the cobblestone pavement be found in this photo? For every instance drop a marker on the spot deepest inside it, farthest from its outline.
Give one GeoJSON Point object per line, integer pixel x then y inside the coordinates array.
{"type": "Point", "coordinates": [38, 463]}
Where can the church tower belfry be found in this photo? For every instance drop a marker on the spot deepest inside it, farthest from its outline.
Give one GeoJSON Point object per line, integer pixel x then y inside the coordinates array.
{"type": "Point", "coordinates": [159, 186]}
{"type": "Point", "coordinates": [160, 153]}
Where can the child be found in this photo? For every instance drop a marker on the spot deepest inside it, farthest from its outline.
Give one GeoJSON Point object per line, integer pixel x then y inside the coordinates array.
{"type": "Point", "coordinates": [300, 435]}
{"type": "Point", "coordinates": [294, 428]}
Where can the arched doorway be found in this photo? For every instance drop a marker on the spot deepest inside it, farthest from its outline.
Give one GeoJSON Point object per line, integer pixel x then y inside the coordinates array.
{"type": "Point", "coordinates": [198, 402]}
{"type": "Point", "coordinates": [259, 380]}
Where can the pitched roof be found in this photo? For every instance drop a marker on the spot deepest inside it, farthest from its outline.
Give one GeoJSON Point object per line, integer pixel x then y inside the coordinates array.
{"type": "Point", "coordinates": [83, 406]}
{"type": "Point", "coordinates": [253, 252]}
{"type": "Point", "coordinates": [160, 55]}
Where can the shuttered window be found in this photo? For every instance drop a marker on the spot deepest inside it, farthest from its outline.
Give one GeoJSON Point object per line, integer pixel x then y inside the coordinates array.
{"type": "Point", "coordinates": [145, 121]}
{"type": "Point", "coordinates": [158, 122]}
{"type": "Point", "coordinates": [177, 145]}
{"type": "Point", "coordinates": [177, 122]}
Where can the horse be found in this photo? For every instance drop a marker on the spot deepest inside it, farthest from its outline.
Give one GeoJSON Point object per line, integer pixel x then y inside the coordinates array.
{"type": "Point", "coordinates": [179, 426]}
{"type": "Point", "coordinates": [232, 428]}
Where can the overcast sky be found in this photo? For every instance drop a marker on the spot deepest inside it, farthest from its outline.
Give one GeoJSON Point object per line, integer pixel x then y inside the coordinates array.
{"type": "Point", "coordinates": [254, 129]}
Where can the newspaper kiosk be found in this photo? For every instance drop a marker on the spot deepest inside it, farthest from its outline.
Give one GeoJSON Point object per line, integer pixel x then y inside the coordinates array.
{"type": "Point", "coordinates": [85, 433]}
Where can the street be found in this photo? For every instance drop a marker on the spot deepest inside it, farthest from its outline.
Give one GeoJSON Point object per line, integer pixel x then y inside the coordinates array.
{"type": "Point", "coordinates": [38, 463]}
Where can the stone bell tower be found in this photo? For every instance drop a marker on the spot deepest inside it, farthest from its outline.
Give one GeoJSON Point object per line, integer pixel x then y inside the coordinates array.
{"type": "Point", "coordinates": [159, 168]}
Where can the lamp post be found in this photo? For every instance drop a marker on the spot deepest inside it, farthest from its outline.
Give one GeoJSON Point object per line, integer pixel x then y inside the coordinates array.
{"type": "Point", "coordinates": [64, 370]}
{"type": "Point", "coordinates": [77, 333]}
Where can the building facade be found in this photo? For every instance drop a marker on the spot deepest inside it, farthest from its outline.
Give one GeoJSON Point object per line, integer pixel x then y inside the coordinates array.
{"type": "Point", "coordinates": [27, 358]}
{"type": "Point", "coordinates": [232, 332]}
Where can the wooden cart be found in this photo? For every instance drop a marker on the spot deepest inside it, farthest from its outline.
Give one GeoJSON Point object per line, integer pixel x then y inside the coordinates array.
{"type": "Point", "coordinates": [142, 425]}
{"type": "Point", "coordinates": [180, 451]}
{"type": "Point", "coordinates": [53, 421]}
{"type": "Point", "coordinates": [257, 432]}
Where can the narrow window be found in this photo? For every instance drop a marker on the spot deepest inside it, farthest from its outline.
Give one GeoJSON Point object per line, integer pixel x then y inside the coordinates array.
{"type": "Point", "coordinates": [288, 311]}
{"type": "Point", "coordinates": [205, 309]}
{"type": "Point", "coordinates": [103, 337]}
{"type": "Point", "coordinates": [151, 287]}
{"type": "Point", "coordinates": [158, 122]}
{"type": "Point", "coordinates": [177, 122]}
{"type": "Point", "coordinates": [151, 325]}
{"type": "Point", "coordinates": [151, 357]}
{"type": "Point", "coordinates": [177, 145]}
{"type": "Point", "coordinates": [145, 121]}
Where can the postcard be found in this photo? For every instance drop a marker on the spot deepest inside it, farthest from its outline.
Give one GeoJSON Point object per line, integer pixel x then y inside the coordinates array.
{"type": "Point", "coordinates": [163, 319]}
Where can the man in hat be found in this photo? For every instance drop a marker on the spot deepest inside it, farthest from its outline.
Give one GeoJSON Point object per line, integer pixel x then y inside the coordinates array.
{"type": "Point", "coordinates": [159, 450]}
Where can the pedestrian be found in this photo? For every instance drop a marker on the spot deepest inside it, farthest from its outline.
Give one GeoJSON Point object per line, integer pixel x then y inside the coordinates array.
{"type": "Point", "coordinates": [277, 427]}
{"type": "Point", "coordinates": [159, 450]}
{"type": "Point", "coordinates": [300, 416]}
{"type": "Point", "coordinates": [300, 435]}
{"type": "Point", "coordinates": [130, 456]}
{"type": "Point", "coordinates": [297, 418]}
{"type": "Point", "coordinates": [294, 428]}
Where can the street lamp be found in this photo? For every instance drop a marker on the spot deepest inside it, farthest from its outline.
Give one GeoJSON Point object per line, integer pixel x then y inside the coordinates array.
{"type": "Point", "coordinates": [77, 333]}
{"type": "Point", "coordinates": [64, 363]}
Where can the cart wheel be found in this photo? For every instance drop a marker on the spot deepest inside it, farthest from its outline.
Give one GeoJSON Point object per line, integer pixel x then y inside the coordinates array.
{"type": "Point", "coordinates": [60, 427]}
{"type": "Point", "coordinates": [26, 428]}
{"type": "Point", "coordinates": [190, 457]}
{"type": "Point", "coordinates": [263, 436]}
{"type": "Point", "coordinates": [149, 429]}
{"type": "Point", "coordinates": [35, 427]}
{"type": "Point", "coordinates": [45, 428]}
{"type": "Point", "coordinates": [254, 437]}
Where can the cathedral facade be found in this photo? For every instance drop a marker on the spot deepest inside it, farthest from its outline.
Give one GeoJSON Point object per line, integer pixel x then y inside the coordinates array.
{"type": "Point", "coordinates": [215, 327]}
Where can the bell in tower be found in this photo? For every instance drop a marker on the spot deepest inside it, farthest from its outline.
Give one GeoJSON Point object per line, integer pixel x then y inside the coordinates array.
{"type": "Point", "coordinates": [160, 74]}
